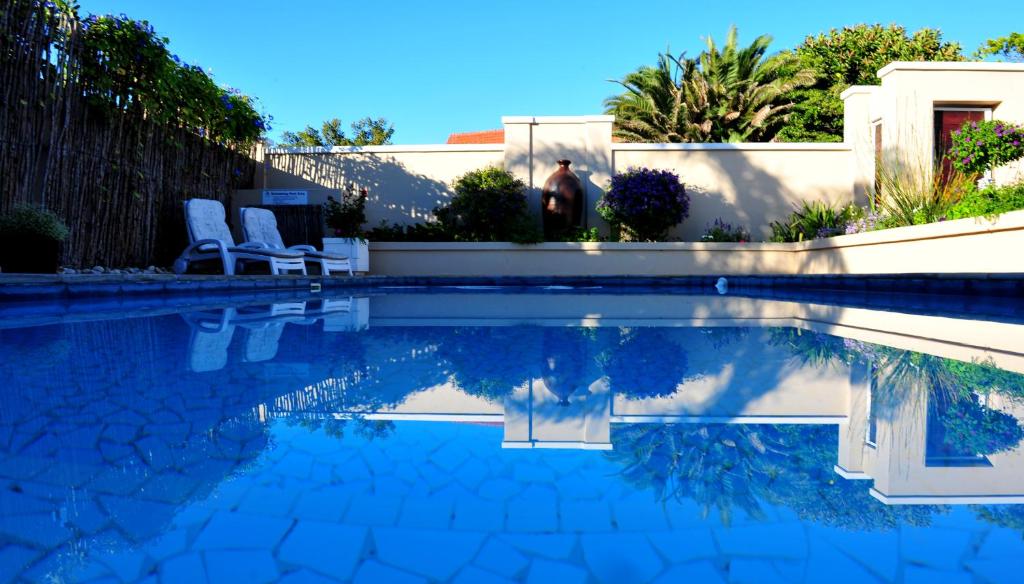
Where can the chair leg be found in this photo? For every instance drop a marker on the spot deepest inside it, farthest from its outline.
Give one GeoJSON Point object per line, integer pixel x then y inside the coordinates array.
{"type": "Point", "coordinates": [228, 261]}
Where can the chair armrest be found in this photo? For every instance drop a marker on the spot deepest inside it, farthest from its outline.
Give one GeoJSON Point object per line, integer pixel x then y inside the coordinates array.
{"type": "Point", "coordinates": [254, 245]}
{"type": "Point", "coordinates": [303, 248]}
{"type": "Point", "coordinates": [221, 245]}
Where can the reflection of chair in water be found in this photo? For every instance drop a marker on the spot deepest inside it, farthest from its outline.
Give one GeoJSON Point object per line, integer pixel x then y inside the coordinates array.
{"type": "Point", "coordinates": [211, 335]}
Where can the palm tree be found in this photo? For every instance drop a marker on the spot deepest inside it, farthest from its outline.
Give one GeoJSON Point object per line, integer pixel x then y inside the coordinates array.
{"type": "Point", "coordinates": [727, 94]}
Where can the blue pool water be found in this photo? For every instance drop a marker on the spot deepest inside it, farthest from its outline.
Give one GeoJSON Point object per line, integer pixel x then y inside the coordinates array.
{"type": "Point", "coordinates": [495, 437]}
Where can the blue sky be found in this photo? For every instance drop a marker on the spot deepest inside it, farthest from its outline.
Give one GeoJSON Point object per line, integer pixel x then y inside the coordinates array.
{"type": "Point", "coordinates": [449, 66]}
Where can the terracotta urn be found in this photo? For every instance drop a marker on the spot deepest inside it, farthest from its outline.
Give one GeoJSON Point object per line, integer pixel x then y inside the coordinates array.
{"type": "Point", "coordinates": [561, 202]}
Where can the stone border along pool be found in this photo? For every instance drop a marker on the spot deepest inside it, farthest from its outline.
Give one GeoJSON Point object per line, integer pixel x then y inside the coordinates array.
{"type": "Point", "coordinates": [22, 287]}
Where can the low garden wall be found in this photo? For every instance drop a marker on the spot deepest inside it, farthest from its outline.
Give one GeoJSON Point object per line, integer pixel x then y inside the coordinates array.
{"type": "Point", "coordinates": [965, 246]}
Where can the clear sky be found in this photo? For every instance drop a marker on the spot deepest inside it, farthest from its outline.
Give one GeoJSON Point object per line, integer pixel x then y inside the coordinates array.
{"type": "Point", "coordinates": [435, 67]}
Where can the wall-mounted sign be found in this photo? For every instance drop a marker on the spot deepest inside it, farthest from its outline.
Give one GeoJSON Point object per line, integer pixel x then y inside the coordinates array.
{"type": "Point", "coordinates": [285, 197]}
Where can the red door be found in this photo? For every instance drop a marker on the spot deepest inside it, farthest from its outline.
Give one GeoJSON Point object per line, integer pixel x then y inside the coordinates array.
{"type": "Point", "coordinates": [946, 122]}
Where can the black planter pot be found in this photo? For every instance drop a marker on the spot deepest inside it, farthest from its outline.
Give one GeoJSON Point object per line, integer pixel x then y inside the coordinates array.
{"type": "Point", "coordinates": [29, 255]}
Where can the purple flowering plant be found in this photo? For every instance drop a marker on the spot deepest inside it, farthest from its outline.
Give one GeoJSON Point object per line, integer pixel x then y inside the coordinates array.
{"type": "Point", "coordinates": [980, 146]}
{"type": "Point", "coordinates": [645, 202]}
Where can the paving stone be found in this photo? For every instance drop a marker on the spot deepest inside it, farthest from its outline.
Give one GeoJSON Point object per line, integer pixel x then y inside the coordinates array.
{"type": "Point", "coordinates": [295, 464]}
{"type": "Point", "coordinates": [620, 557]}
{"type": "Point", "coordinates": [269, 500]}
{"type": "Point", "coordinates": [777, 540]}
{"type": "Point", "coordinates": [37, 529]}
{"type": "Point", "coordinates": [472, 575]}
{"type": "Point", "coordinates": [641, 513]}
{"type": "Point", "coordinates": [1007, 569]}
{"type": "Point", "coordinates": [703, 572]}
{"type": "Point", "coordinates": [877, 551]}
{"type": "Point", "coordinates": [684, 545]}
{"type": "Point", "coordinates": [826, 563]}
{"type": "Point", "coordinates": [450, 456]}
{"type": "Point", "coordinates": [501, 558]}
{"type": "Point", "coordinates": [187, 568]}
{"type": "Point", "coordinates": [167, 545]}
{"type": "Point", "coordinates": [499, 489]}
{"type": "Point", "coordinates": [327, 548]}
{"type": "Point", "coordinates": [552, 546]}
{"type": "Point", "coordinates": [306, 577]}
{"type": "Point", "coordinates": [435, 554]}
{"type": "Point", "coordinates": [390, 485]}
{"type": "Point", "coordinates": [370, 509]}
{"type": "Point", "coordinates": [751, 571]}
{"type": "Point", "coordinates": [475, 514]}
{"type": "Point", "coordinates": [14, 559]}
{"type": "Point", "coordinates": [1002, 543]}
{"type": "Point", "coordinates": [935, 547]}
{"type": "Point", "coordinates": [471, 474]}
{"type": "Point", "coordinates": [921, 575]}
{"type": "Point", "coordinates": [425, 513]}
{"type": "Point", "coordinates": [588, 516]}
{"type": "Point", "coordinates": [249, 566]}
{"type": "Point", "coordinates": [127, 565]}
{"type": "Point", "coordinates": [544, 572]}
{"type": "Point", "coordinates": [376, 573]}
{"type": "Point", "coordinates": [141, 520]}
{"type": "Point", "coordinates": [533, 510]}
{"type": "Point", "coordinates": [326, 504]}
{"type": "Point", "coordinates": [532, 472]}
{"type": "Point", "coordinates": [227, 530]}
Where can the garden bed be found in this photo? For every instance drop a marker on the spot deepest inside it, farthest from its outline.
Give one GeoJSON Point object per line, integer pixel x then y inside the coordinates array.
{"type": "Point", "coordinates": [965, 246]}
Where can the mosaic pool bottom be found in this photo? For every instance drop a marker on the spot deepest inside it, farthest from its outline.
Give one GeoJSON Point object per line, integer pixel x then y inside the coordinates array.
{"type": "Point", "coordinates": [302, 442]}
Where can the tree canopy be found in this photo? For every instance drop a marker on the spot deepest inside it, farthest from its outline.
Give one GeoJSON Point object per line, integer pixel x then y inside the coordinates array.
{"type": "Point", "coordinates": [727, 94]}
{"type": "Point", "coordinates": [365, 132]}
{"type": "Point", "coordinates": [852, 56]}
{"type": "Point", "coordinates": [1009, 48]}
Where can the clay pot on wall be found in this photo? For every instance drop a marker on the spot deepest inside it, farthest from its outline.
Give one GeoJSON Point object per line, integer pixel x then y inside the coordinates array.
{"type": "Point", "coordinates": [561, 202]}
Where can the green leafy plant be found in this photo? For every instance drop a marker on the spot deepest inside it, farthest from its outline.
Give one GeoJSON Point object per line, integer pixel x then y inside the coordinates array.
{"type": "Point", "coordinates": [25, 222]}
{"type": "Point", "coordinates": [814, 219]}
{"type": "Point", "coordinates": [911, 194]}
{"type": "Point", "coordinates": [849, 56]}
{"type": "Point", "coordinates": [365, 132]}
{"type": "Point", "coordinates": [581, 235]}
{"type": "Point", "coordinates": [646, 203]}
{"type": "Point", "coordinates": [981, 146]}
{"type": "Point", "coordinates": [347, 216]}
{"type": "Point", "coordinates": [433, 231]}
{"type": "Point", "coordinates": [729, 93]}
{"type": "Point", "coordinates": [1009, 47]}
{"type": "Point", "coordinates": [126, 67]}
{"type": "Point", "coordinates": [721, 231]}
{"type": "Point", "coordinates": [988, 202]}
{"type": "Point", "coordinates": [489, 205]}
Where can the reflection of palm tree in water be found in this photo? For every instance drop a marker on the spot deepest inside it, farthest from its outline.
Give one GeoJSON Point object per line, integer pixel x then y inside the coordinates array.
{"type": "Point", "coordinates": [724, 467]}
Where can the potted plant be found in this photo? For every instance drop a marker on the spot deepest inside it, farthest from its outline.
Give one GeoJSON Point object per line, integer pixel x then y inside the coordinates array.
{"type": "Point", "coordinates": [345, 219]}
{"type": "Point", "coordinates": [30, 240]}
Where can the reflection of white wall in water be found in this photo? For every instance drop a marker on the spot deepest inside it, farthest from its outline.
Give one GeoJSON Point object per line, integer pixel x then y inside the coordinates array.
{"type": "Point", "coordinates": [536, 417]}
{"type": "Point", "coordinates": [888, 444]}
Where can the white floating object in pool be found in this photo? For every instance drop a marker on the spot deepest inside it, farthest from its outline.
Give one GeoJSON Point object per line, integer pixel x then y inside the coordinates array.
{"type": "Point", "coordinates": [722, 285]}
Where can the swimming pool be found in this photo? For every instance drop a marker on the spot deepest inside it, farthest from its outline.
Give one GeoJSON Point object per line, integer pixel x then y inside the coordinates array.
{"type": "Point", "coordinates": [422, 435]}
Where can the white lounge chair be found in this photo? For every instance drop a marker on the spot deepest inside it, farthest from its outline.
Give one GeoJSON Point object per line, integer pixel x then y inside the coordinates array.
{"type": "Point", "coordinates": [260, 226]}
{"type": "Point", "coordinates": [210, 239]}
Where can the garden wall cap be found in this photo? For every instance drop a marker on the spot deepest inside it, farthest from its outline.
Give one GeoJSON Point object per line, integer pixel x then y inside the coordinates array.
{"type": "Point", "coordinates": [859, 90]}
{"type": "Point", "coordinates": [977, 66]}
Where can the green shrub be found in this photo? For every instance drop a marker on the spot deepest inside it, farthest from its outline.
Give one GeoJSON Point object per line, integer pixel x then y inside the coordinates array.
{"type": "Point", "coordinates": [912, 194]}
{"type": "Point", "coordinates": [980, 146]}
{"type": "Point", "coordinates": [489, 205]}
{"type": "Point", "coordinates": [581, 235]}
{"type": "Point", "coordinates": [988, 202]}
{"type": "Point", "coordinates": [645, 202]}
{"type": "Point", "coordinates": [346, 217]}
{"type": "Point", "coordinates": [813, 220]}
{"type": "Point", "coordinates": [416, 232]}
{"type": "Point", "coordinates": [27, 222]}
{"type": "Point", "coordinates": [722, 231]}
